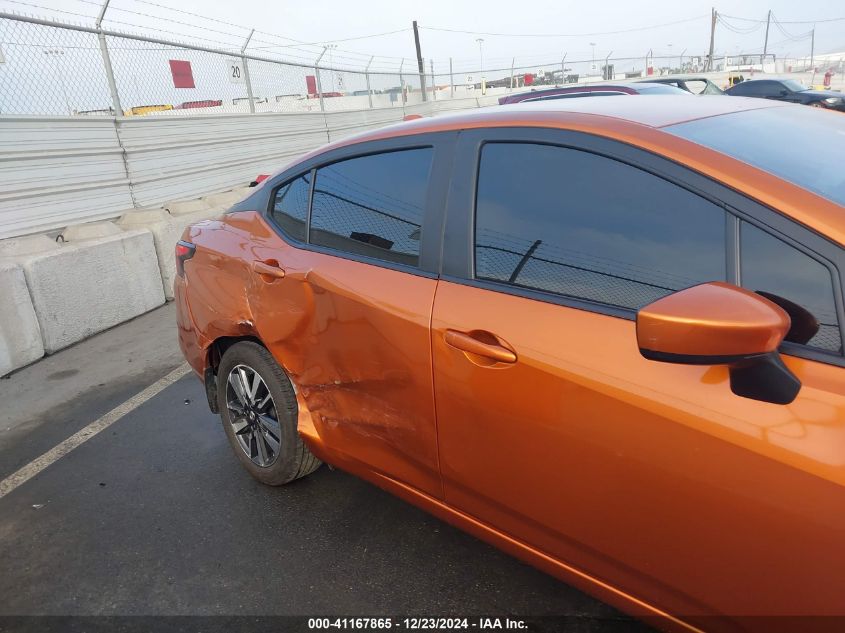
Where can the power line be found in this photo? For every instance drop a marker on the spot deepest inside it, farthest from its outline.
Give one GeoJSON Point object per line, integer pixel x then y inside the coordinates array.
{"type": "Point", "coordinates": [733, 17]}
{"type": "Point", "coordinates": [281, 37]}
{"type": "Point", "coordinates": [737, 29]}
{"type": "Point", "coordinates": [786, 33]}
{"type": "Point", "coordinates": [641, 28]}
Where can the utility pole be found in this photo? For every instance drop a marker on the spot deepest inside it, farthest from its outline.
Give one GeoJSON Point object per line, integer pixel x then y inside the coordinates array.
{"type": "Point", "coordinates": [813, 51]}
{"type": "Point", "coordinates": [766, 42]}
{"type": "Point", "coordinates": [420, 64]}
{"type": "Point", "coordinates": [712, 37]}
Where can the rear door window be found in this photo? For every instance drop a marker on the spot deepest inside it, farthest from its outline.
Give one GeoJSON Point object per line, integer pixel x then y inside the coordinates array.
{"type": "Point", "coordinates": [373, 205]}
{"type": "Point", "coordinates": [290, 206]}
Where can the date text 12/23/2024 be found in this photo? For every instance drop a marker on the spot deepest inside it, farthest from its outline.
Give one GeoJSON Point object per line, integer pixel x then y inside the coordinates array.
{"type": "Point", "coordinates": [414, 624]}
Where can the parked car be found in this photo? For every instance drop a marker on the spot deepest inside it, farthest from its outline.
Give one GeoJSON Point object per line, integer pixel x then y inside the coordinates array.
{"type": "Point", "coordinates": [604, 335]}
{"type": "Point", "coordinates": [788, 90]}
{"type": "Point", "coordinates": [593, 90]}
{"type": "Point", "coordinates": [695, 84]}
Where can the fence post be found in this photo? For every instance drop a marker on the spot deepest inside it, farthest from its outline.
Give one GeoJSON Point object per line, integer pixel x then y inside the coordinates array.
{"type": "Point", "coordinates": [433, 86]}
{"type": "Point", "coordinates": [104, 51]}
{"type": "Point", "coordinates": [451, 80]}
{"type": "Point", "coordinates": [563, 70]}
{"type": "Point", "coordinates": [402, 81]}
{"type": "Point", "coordinates": [513, 61]}
{"type": "Point", "coordinates": [319, 83]}
{"type": "Point", "coordinates": [246, 73]}
{"type": "Point", "coordinates": [367, 75]}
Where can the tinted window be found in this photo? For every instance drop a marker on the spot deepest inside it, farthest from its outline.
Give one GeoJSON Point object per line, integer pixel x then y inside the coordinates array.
{"type": "Point", "coordinates": [577, 224]}
{"type": "Point", "coordinates": [794, 85]}
{"type": "Point", "coordinates": [753, 89]}
{"type": "Point", "coordinates": [661, 89]}
{"type": "Point", "coordinates": [290, 206]}
{"type": "Point", "coordinates": [771, 266]}
{"type": "Point", "coordinates": [373, 205]}
{"type": "Point", "coordinates": [807, 149]}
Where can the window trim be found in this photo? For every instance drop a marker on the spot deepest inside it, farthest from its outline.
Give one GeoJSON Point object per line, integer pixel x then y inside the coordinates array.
{"type": "Point", "coordinates": [272, 204]}
{"type": "Point", "coordinates": [458, 264]}
{"type": "Point", "coordinates": [431, 228]}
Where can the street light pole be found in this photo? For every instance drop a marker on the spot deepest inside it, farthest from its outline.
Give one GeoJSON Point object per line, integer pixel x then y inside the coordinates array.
{"type": "Point", "coordinates": [481, 63]}
{"type": "Point", "coordinates": [330, 48]}
{"type": "Point", "coordinates": [55, 53]}
{"type": "Point", "coordinates": [593, 62]}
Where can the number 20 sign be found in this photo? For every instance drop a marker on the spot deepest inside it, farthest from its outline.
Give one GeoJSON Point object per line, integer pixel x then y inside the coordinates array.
{"type": "Point", "coordinates": [235, 70]}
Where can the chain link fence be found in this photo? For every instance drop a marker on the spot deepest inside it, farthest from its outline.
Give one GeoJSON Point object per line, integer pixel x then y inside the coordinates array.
{"type": "Point", "coordinates": [52, 68]}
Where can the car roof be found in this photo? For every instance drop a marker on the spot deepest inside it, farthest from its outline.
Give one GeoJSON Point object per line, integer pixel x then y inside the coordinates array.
{"type": "Point", "coordinates": [665, 78]}
{"type": "Point", "coordinates": [633, 85]}
{"type": "Point", "coordinates": [651, 110]}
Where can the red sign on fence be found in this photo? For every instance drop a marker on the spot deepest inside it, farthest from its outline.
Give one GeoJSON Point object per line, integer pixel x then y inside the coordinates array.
{"type": "Point", "coordinates": [183, 76]}
{"type": "Point", "coordinates": [311, 85]}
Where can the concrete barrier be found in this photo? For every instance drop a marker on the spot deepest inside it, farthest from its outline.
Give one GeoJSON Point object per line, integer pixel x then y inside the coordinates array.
{"type": "Point", "coordinates": [166, 230]}
{"type": "Point", "coordinates": [88, 286]}
{"type": "Point", "coordinates": [184, 207]}
{"type": "Point", "coordinates": [20, 337]}
{"type": "Point", "coordinates": [227, 198]}
{"type": "Point", "coordinates": [29, 245]}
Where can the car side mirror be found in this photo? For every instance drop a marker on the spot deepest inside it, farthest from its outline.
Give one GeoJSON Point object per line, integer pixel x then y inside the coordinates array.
{"type": "Point", "coordinates": [720, 324]}
{"type": "Point", "coordinates": [783, 93]}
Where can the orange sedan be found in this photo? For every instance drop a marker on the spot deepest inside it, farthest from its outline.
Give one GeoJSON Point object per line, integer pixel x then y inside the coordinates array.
{"type": "Point", "coordinates": [604, 335]}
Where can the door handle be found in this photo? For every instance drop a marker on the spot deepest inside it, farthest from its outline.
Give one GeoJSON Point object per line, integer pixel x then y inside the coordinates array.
{"type": "Point", "coordinates": [468, 343]}
{"type": "Point", "coordinates": [267, 269]}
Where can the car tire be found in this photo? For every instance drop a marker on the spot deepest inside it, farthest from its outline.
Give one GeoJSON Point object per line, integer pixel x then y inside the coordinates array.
{"type": "Point", "coordinates": [816, 104]}
{"type": "Point", "coordinates": [272, 453]}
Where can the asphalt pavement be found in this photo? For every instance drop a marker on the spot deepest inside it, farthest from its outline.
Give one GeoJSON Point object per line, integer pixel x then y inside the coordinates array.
{"type": "Point", "coordinates": [155, 517]}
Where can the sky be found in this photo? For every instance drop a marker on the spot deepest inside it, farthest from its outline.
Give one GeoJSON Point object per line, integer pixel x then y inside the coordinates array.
{"type": "Point", "coordinates": [581, 31]}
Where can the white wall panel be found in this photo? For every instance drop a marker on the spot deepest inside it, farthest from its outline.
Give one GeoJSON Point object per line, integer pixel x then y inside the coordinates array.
{"type": "Point", "coordinates": [180, 158]}
{"type": "Point", "coordinates": [56, 171]}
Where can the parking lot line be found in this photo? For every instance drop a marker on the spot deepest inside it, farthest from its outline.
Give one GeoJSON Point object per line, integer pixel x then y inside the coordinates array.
{"type": "Point", "coordinates": [29, 471]}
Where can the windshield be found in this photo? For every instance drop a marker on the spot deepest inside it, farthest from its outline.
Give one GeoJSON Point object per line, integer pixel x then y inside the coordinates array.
{"type": "Point", "coordinates": [806, 149]}
{"type": "Point", "coordinates": [794, 85]}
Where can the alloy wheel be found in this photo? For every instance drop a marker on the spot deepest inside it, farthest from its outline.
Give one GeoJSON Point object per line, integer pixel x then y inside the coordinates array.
{"type": "Point", "coordinates": [253, 415]}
